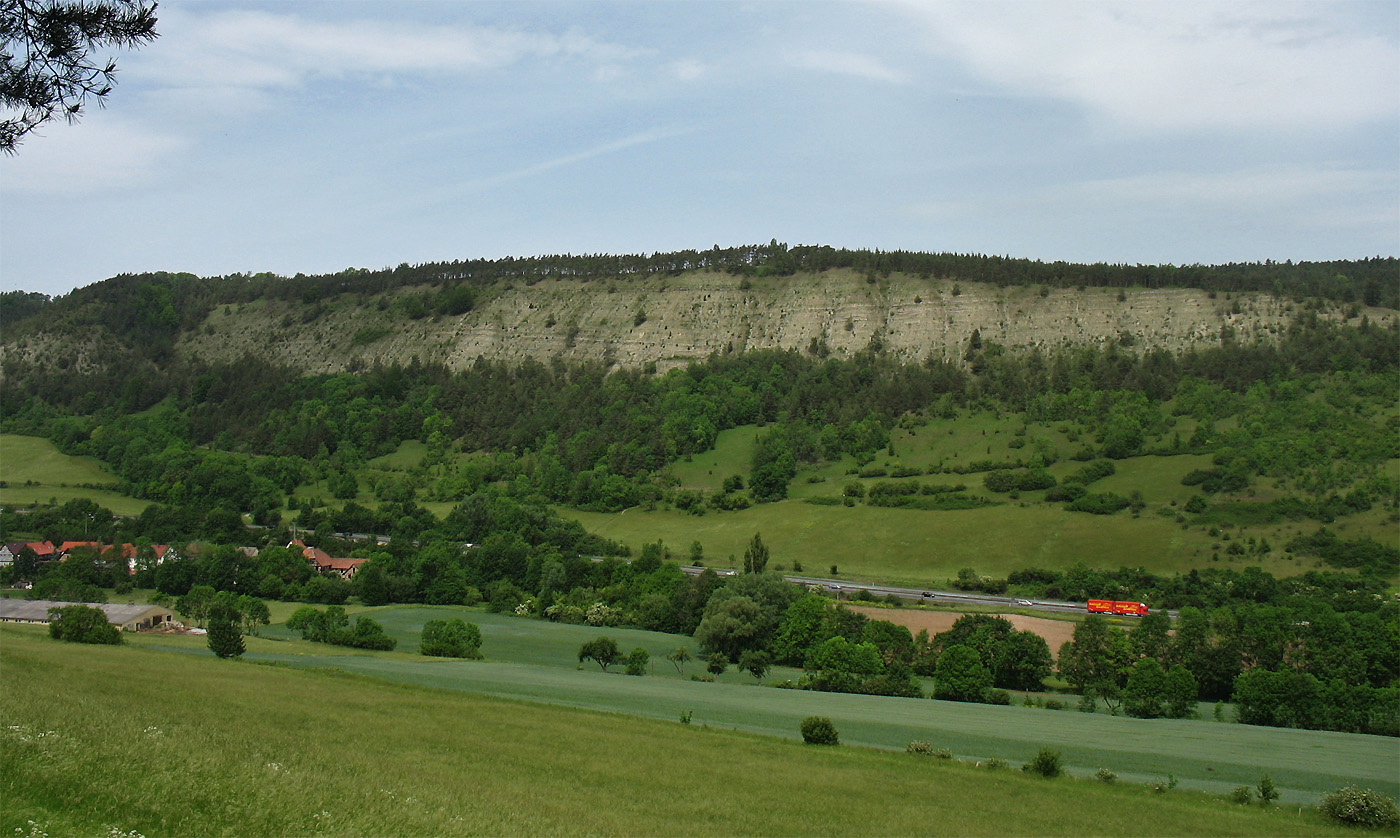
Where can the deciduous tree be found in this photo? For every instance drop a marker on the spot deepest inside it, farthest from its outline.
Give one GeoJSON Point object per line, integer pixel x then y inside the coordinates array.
{"type": "Point", "coordinates": [602, 651]}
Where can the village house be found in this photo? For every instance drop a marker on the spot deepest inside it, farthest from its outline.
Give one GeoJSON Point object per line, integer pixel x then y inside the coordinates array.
{"type": "Point", "coordinates": [43, 549]}
{"type": "Point", "coordinates": [325, 564]}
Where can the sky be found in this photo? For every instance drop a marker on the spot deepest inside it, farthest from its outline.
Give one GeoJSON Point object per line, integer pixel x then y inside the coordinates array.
{"type": "Point", "coordinates": [310, 137]}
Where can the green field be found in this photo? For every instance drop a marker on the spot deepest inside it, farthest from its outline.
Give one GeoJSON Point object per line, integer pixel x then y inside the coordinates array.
{"type": "Point", "coordinates": [134, 739]}
{"type": "Point", "coordinates": [34, 471]}
{"type": "Point", "coordinates": [537, 661]}
{"type": "Point", "coordinates": [923, 548]}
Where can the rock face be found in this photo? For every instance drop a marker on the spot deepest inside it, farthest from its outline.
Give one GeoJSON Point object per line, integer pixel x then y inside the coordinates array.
{"type": "Point", "coordinates": [635, 322]}
{"type": "Point", "coordinates": [671, 321]}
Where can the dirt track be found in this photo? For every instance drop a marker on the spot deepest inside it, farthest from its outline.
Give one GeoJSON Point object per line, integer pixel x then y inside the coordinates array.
{"type": "Point", "coordinates": [1055, 632]}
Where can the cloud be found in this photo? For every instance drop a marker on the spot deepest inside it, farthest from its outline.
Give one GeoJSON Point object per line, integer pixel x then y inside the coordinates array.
{"type": "Point", "coordinates": [264, 51]}
{"type": "Point", "coordinates": [102, 152]}
{"type": "Point", "coordinates": [688, 69]}
{"type": "Point", "coordinates": [643, 138]}
{"type": "Point", "coordinates": [1157, 66]}
{"type": "Point", "coordinates": [848, 64]}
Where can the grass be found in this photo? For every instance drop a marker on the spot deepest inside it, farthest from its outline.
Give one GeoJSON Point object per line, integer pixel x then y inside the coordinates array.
{"type": "Point", "coordinates": [35, 458]}
{"type": "Point", "coordinates": [109, 740]}
{"type": "Point", "coordinates": [918, 547]}
{"type": "Point", "coordinates": [732, 454]}
{"type": "Point", "coordinates": [537, 661]}
{"type": "Point", "coordinates": [37, 472]}
{"type": "Point", "coordinates": [926, 548]}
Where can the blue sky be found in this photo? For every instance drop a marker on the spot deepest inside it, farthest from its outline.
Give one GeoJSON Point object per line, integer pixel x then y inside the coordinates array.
{"type": "Point", "coordinates": [310, 137]}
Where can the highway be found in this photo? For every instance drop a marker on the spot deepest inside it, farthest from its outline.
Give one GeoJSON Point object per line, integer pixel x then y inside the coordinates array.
{"type": "Point", "coordinates": [954, 598]}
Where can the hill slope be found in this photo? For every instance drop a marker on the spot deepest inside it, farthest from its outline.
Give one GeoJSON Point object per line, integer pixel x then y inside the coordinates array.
{"type": "Point", "coordinates": [635, 321]}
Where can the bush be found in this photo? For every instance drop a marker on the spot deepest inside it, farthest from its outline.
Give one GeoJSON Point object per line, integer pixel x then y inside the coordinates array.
{"type": "Point", "coordinates": [1103, 775]}
{"type": "Point", "coordinates": [1360, 807]}
{"type": "Point", "coordinates": [1046, 764]}
{"type": "Point", "coordinates": [919, 748]}
{"type": "Point", "coordinates": [224, 639]}
{"type": "Point", "coordinates": [637, 662]}
{"type": "Point", "coordinates": [995, 764]}
{"type": "Point", "coordinates": [82, 624]}
{"type": "Point", "coordinates": [1268, 792]}
{"type": "Point", "coordinates": [716, 664]}
{"type": "Point", "coordinates": [1104, 503]}
{"type": "Point", "coordinates": [1241, 795]}
{"type": "Point", "coordinates": [451, 639]}
{"type": "Point", "coordinates": [818, 730]}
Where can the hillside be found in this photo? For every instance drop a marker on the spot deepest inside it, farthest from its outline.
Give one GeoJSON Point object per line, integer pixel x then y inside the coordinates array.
{"type": "Point", "coordinates": [669, 308]}
{"type": "Point", "coordinates": [674, 320]}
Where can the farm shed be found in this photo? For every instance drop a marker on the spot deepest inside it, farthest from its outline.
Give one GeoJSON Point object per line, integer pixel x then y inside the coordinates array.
{"type": "Point", "coordinates": [125, 617]}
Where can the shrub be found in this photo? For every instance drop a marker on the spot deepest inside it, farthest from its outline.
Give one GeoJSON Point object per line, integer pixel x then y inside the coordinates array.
{"type": "Point", "coordinates": [716, 664]}
{"type": "Point", "coordinates": [919, 748]}
{"type": "Point", "coordinates": [1104, 503]}
{"type": "Point", "coordinates": [1241, 795]}
{"type": "Point", "coordinates": [637, 662]}
{"type": "Point", "coordinates": [943, 753]}
{"type": "Point", "coordinates": [1359, 807]}
{"type": "Point", "coordinates": [818, 730]}
{"type": "Point", "coordinates": [82, 624]}
{"type": "Point", "coordinates": [1268, 792]}
{"type": "Point", "coordinates": [225, 640]}
{"type": "Point", "coordinates": [1103, 775]}
{"type": "Point", "coordinates": [450, 639]}
{"type": "Point", "coordinates": [1001, 697]}
{"type": "Point", "coordinates": [994, 764]}
{"type": "Point", "coordinates": [1046, 764]}
{"type": "Point", "coordinates": [1054, 704]}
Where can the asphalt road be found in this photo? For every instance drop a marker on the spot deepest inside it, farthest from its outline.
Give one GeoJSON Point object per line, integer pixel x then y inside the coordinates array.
{"type": "Point", "coordinates": [925, 594]}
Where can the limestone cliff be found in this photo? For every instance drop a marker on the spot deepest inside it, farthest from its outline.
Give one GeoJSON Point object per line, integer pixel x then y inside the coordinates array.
{"type": "Point", "coordinates": [669, 321]}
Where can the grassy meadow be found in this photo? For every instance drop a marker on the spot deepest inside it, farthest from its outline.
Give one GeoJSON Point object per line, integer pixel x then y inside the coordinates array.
{"type": "Point", "coordinates": [537, 661]}
{"type": "Point", "coordinates": [34, 471]}
{"type": "Point", "coordinates": [135, 740]}
{"type": "Point", "coordinates": [926, 548]}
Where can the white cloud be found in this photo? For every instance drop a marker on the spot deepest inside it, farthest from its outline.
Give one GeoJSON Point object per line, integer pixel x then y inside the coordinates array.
{"type": "Point", "coordinates": [261, 50]}
{"type": "Point", "coordinates": [1169, 66]}
{"type": "Point", "coordinates": [689, 70]}
{"type": "Point", "coordinates": [643, 138]}
{"type": "Point", "coordinates": [102, 152]}
{"type": "Point", "coordinates": [848, 64]}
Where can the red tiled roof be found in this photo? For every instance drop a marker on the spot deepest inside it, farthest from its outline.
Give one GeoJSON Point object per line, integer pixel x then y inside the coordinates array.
{"type": "Point", "coordinates": [342, 564]}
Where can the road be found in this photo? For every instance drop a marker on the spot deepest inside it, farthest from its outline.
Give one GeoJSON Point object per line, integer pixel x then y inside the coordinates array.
{"type": "Point", "coordinates": [925, 594]}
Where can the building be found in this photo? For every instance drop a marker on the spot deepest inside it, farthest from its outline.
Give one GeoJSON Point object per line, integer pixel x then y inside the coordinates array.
{"type": "Point", "coordinates": [326, 565]}
{"type": "Point", "coordinates": [124, 617]}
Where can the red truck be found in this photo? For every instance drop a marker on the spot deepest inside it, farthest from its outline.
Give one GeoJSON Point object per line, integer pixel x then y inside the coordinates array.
{"type": "Point", "coordinates": [1108, 606]}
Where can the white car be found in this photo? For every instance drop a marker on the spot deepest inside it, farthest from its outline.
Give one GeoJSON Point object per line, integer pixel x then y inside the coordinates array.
{"type": "Point", "coordinates": [1025, 602]}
